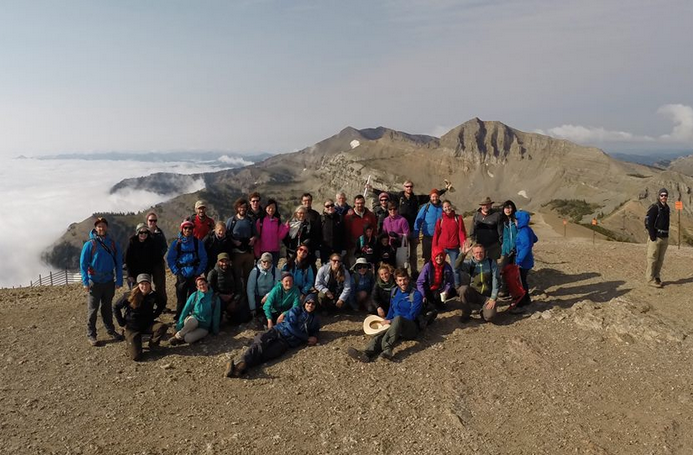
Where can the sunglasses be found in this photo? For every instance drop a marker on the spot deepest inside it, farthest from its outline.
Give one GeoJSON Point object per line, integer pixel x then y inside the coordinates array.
{"type": "Point", "coordinates": [663, 195]}
{"type": "Point", "coordinates": [253, 201]}
{"type": "Point", "coordinates": [143, 233]}
{"type": "Point", "coordinates": [302, 250]}
{"type": "Point", "coordinates": [337, 261]}
{"type": "Point", "coordinates": [187, 228]}
{"type": "Point", "coordinates": [329, 206]}
{"type": "Point", "coordinates": [152, 221]}
{"type": "Point", "coordinates": [409, 186]}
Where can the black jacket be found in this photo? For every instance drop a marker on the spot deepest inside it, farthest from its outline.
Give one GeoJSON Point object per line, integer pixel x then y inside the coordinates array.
{"type": "Point", "coordinates": [223, 282]}
{"type": "Point", "coordinates": [215, 245]}
{"type": "Point", "coordinates": [657, 221]}
{"type": "Point", "coordinates": [141, 318]}
{"type": "Point", "coordinates": [141, 257]}
{"type": "Point", "coordinates": [332, 232]}
{"type": "Point", "coordinates": [487, 230]}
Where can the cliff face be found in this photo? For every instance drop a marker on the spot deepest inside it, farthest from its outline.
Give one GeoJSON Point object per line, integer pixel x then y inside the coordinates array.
{"type": "Point", "coordinates": [480, 158]}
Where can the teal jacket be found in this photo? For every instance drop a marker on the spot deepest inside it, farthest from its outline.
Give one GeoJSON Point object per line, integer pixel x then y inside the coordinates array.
{"type": "Point", "coordinates": [205, 307]}
{"type": "Point", "coordinates": [279, 301]}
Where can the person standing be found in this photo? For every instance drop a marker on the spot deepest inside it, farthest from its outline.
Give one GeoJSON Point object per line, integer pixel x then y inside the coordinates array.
{"type": "Point", "coordinates": [101, 265]}
{"type": "Point", "coordinates": [270, 231]}
{"type": "Point", "coordinates": [487, 229]}
{"type": "Point", "coordinates": [140, 254]}
{"type": "Point", "coordinates": [315, 233]}
{"type": "Point", "coordinates": [187, 259]}
{"type": "Point", "coordinates": [202, 223]}
{"type": "Point", "coordinates": [243, 233]}
{"type": "Point", "coordinates": [332, 232]}
{"type": "Point", "coordinates": [450, 234]}
{"type": "Point", "coordinates": [255, 211]}
{"type": "Point", "coordinates": [354, 224]}
{"type": "Point", "coordinates": [524, 257]}
{"type": "Point", "coordinates": [425, 222]}
{"type": "Point", "coordinates": [159, 271]}
{"type": "Point", "coordinates": [341, 206]}
{"type": "Point", "coordinates": [216, 242]}
{"type": "Point", "coordinates": [657, 223]}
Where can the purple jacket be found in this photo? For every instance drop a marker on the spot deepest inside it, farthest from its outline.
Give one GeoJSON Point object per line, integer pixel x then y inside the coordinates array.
{"type": "Point", "coordinates": [426, 278]}
{"type": "Point", "coordinates": [271, 233]}
{"type": "Point", "coordinates": [398, 224]}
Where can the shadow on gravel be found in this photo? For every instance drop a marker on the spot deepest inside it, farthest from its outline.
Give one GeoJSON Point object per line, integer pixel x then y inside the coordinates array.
{"type": "Point", "coordinates": [446, 322]}
{"type": "Point", "coordinates": [679, 281]}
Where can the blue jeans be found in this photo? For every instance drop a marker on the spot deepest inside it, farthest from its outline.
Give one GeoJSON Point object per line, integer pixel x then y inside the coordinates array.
{"type": "Point", "coordinates": [453, 253]}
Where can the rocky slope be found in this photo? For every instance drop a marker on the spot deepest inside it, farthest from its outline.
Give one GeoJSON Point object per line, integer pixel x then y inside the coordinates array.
{"type": "Point", "coordinates": [480, 157]}
{"type": "Point", "coordinates": [600, 364]}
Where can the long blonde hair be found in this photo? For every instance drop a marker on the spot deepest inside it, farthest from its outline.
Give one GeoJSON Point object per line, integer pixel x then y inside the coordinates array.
{"type": "Point", "coordinates": [135, 298]}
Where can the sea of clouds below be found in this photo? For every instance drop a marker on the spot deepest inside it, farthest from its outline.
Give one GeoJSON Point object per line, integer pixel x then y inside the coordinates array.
{"type": "Point", "coordinates": [41, 198]}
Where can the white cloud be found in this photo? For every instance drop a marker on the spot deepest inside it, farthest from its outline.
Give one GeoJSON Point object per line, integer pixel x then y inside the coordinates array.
{"type": "Point", "coordinates": [682, 132]}
{"type": "Point", "coordinates": [234, 161]}
{"type": "Point", "coordinates": [439, 130]}
{"type": "Point", "coordinates": [682, 117]}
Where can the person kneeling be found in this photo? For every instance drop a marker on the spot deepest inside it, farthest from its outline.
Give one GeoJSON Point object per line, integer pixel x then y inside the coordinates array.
{"type": "Point", "coordinates": [405, 307]}
{"type": "Point", "coordinates": [484, 283]}
{"type": "Point", "coordinates": [142, 306]}
{"type": "Point", "coordinates": [300, 325]}
{"type": "Point", "coordinates": [200, 315]}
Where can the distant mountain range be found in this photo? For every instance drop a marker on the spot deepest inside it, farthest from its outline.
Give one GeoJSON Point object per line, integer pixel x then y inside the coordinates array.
{"type": "Point", "coordinates": [481, 158]}
{"type": "Point", "coordinates": [224, 158]}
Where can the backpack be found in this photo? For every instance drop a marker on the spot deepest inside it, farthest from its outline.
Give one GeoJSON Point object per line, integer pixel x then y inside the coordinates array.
{"type": "Point", "coordinates": [257, 275]}
{"type": "Point", "coordinates": [109, 251]}
{"type": "Point", "coordinates": [179, 250]}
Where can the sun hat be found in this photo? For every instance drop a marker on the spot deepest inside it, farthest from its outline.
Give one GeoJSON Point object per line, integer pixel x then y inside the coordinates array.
{"type": "Point", "coordinates": [373, 325]}
{"type": "Point", "coordinates": [486, 201]}
{"type": "Point", "coordinates": [360, 261]}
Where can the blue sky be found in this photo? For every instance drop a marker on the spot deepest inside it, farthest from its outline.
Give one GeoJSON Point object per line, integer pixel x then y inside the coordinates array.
{"type": "Point", "coordinates": [81, 76]}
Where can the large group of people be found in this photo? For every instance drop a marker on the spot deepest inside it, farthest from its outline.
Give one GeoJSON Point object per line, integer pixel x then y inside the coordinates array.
{"type": "Point", "coordinates": [349, 258]}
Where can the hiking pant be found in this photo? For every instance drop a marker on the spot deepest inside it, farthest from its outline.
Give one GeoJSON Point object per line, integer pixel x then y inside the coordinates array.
{"type": "Point", "coordinates": [655, 257]}
{"type": "Point", "coordinates": [184, 288]}
{"type": "Point", "coordinates": [159, 280]}
{"type": "Point", "coordinates": [266, 346]}
{"type": "Point", "coordinates": [134, 338]}
{"type": "Point", "coordinates": [326, 303]}
{"type": "Point", "coordinates": [190, 331]}
{"type": "Point", "coordinates": [471, 297]}
{"type": "Point", "coordinates": [494, 251]}
{"type": "Point", "coordinates": [100, 294]}
{"type": "Point", "coordinates": [453, 254]}
{"type": "Point", "coordinates": [526, 300]}
{"type": "Point", "coordinates": [413, 258]}
{"type": "Point", "coordinates": [387, 340]}
{"type": "Point", "coordinates": [426, 246]}
{"type": "Point", "coordinates": [242, 264]}
{"type": "Point", "coordinates": [433, 297]}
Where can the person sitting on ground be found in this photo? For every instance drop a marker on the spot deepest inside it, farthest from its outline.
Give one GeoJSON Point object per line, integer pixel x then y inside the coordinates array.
{"type": "Point", "coordinates": [141, 254]}
{"type": "Point", "coordinates": [300, 267]}
{"type": "Point", "coordinates": [271, 231]}
{"type": "Point", "coordinates": [300, 326]}
{"type": "Point", "coordinates": [450, 234]}
{"type": "Point", "coordinates": [261, 281]}
{"type": "Point", "coordinates": [382, 291]}
{"type": "Point", "coordinates": [228, 288]}
{"type": "Point", "coordinates": [187, 258]}
{"type": "Point", "coordinates": [299, 231]}
{"type": "Point", "coordinates": [332, 232]}
{"type": "Point", "coordinates": [241, 229]}
{"type": "Point", "coordinates": [201, 315]}
{"type": "Point", "coordinates": [202, 224]}
{"type": "Point", "coordinates": [385, 253]}
{"type": "Point", "coordinates": [524, 257]}
{"type": "Point", "coordinates": [363, 281]}
{"type": "Point", "coordinates": [142, 306]}
{"type": "Point", "coordinates": [159, 273]}
{"type": "Point", "coordinates": [436, 283]}
{"type": "Point", "coordinates": [281, 299]}
{"type": "Point", "coordinates": [405, 307]}
{"type": "Point", "coordinates": [333, 284]}
{"type": "Point", "coordinates": [487, 229]}
{"type": "Point", "coordinates": [216, 242]}
{"type": "Point", "coordinates": [482, 291]}
{"type": "Point", "coordinates": [101, 266]}
{"type": "Point", "coordinates": [366, 245]}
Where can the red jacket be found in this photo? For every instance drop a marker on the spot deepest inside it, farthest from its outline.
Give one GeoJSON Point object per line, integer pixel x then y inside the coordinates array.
{"type": "Point", "coordinates": [201, 228]}
{"type": "Point", "coordinates": [449, 232]}
{"type": "Point", "coordinates": [354, 225]}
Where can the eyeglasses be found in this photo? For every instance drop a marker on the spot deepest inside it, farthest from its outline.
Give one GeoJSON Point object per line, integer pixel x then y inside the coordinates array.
{"type": "Point", "coordinates": [187, 228]}
{"type": "Point", "coordinates": [391, 210]}
{"type": "Point", "coordinates": [361, 267]}
{"type": "Point", "coordinates": [336, 261]}
{"type": "Point", "coordinates": [264, 261]}
{"type": "Point", "coordinates": [152, 221]}
{"type": "Point", "coordinates": [143, 233]}
{"type": "Point", "coordinates": [329, 206]}
{"type": "Point", "coordinates": [383, 199]}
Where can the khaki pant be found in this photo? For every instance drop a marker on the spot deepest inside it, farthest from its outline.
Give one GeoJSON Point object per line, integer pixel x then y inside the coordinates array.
{"type": "Point", "coordinates": [134, 338]}
{"type": "Point", "coordinates": [471, 297]}
{"type": "Point", "coordinates": [655, 257]}
{"type": "Point", "coordinates": [190, 331]}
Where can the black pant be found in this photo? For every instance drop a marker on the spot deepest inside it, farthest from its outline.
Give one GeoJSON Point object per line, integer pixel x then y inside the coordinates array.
{"type": "Point", "coordinates": [266, 346]}
{"type": "Point", "coordinates": [184, 288]}
{"type": "Point", "coordinates": [426, 246]}
{"type": "Point", "coordinates": [526, 300]}
{"type": "Point", "coordinates": [134, 338]}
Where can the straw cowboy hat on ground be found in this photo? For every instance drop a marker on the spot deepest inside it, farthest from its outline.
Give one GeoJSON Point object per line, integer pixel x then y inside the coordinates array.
{"type": "Point", "coordinates": [373, 325]}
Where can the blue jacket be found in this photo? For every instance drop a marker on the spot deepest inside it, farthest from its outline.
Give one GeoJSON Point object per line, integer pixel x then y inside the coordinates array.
{"type": "Point", "coordinates": [298, 326]}
{"type": "Point", "coordinates": [525, 240]}
{"type": "Point", "coordinates": [187, 263]}
{"type": "Point", "coordinates": [427, 274]}
{"type": "Point", "coordinates": [260, 283]}
{"type": "Point", "coordinates": [205, 307]}
{"type": "Point", "coordinates": [304, 279]}
{"type": "Point", "coordinates": [401, 304]}
{"type": "Point", "coordinates": [100, 264]}
{"type": "Point", "coordinates": [509, 237]}
{"type": "Point", "coordinates": [426, 220]}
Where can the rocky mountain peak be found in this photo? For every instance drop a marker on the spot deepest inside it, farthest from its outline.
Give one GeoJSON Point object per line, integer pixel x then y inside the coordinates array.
{"type": "Point", "coordinates": [483, 141]}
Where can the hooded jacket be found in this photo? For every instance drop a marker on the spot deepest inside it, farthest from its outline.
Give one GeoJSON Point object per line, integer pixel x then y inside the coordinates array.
{"type": "Point", "coordinates": [187, 263]}
{"type": "Point", "coordinates": [525, 240]}
{"type": "Point", "coordinates": [101, 261]}
{"type": "Point", "coordinates": [427, 275]}
{"type": "Point", "coordinates": [427, 218]}
{"type": "Point", "coordinates": [271, 231]}
{"type": "Point", "coordinates": [260, 283]}
{"type": "Point", "coordinates": [449, 231]}
{"type": "Point", "coordinates": [298, 325]}
{"type": "Point", "coordinates": [509, 230]}
{"type": "Point", "coordinates": [205, 307]}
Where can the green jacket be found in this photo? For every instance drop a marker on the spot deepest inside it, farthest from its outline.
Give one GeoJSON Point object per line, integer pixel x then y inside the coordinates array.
{"type": "Point", "coordinates": [279, 301]}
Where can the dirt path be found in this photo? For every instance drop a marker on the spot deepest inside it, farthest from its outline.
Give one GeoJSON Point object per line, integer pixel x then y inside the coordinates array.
{"type": "Point", "coordinates": [600, 364]}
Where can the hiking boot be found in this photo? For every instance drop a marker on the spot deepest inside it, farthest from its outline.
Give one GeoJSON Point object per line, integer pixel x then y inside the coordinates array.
{"type": "Point", "coordinates": [93, 341]}
{"type": "Point", "coordinates": [154, 344]}
{"type": "Point", "coordinates": [230, 369]}
{"type": "Point", "coordinates": [659, 282]}
{"type": "Point", "coordinates": [238, 369]}
{"type": "Point", "coordinates": [175, 341]}
{"type": "Point", "coordinates": [656, 284]}
{"type": "Point", "coordinates": [115, 336]}
{"type": "Point", "coordinates": [387, 355]}
{"type": "Point", "coordinates": [358, 355]}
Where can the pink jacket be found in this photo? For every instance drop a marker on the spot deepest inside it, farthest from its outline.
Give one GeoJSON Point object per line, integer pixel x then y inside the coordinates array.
{"type": "Point", "coordinates": [398, 224]}
{"type": "Point", "coordinates": [271, 232]}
